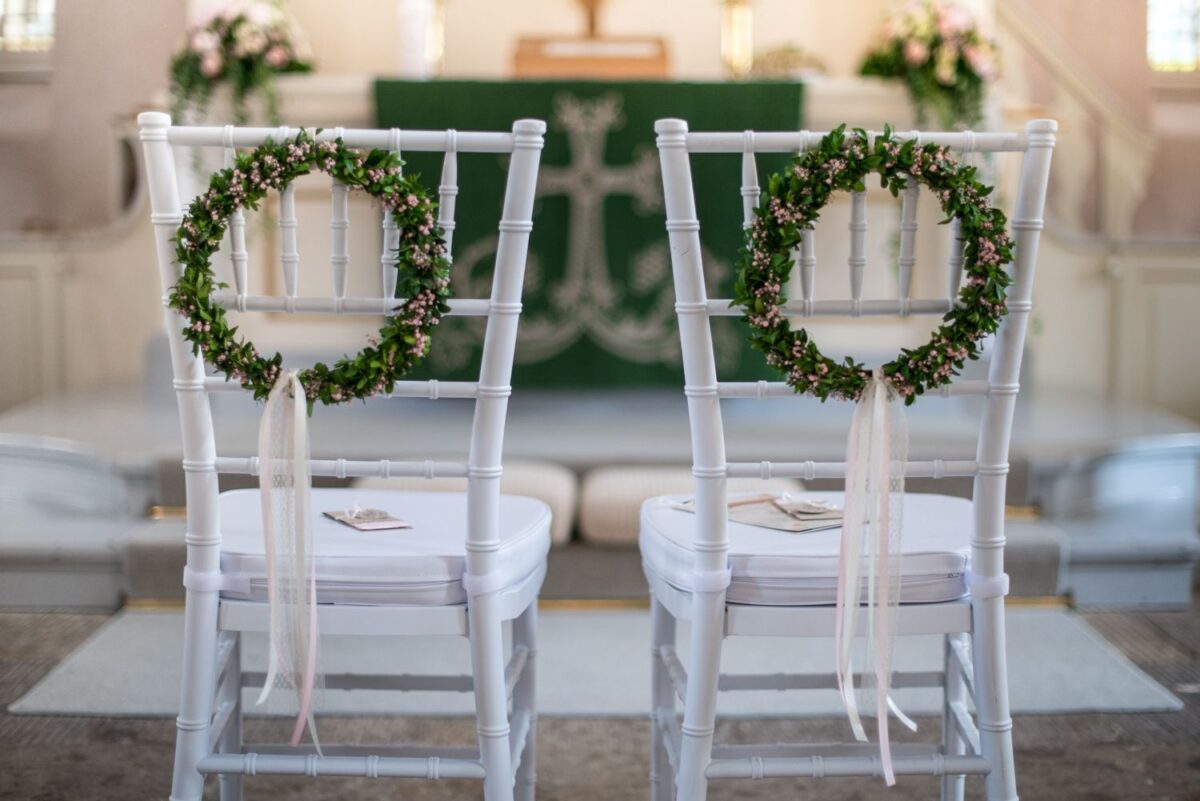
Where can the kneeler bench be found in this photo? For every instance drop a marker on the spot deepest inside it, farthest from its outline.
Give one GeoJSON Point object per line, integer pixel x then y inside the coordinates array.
{"type": "Point", "coordinates": [64, 512]}
{"type": "Point", "coordinates": [610, 500]}
{"type": "Point", "coordinates": [55, 562]}
{"type": "Point", "coordinates": [1108, 567]}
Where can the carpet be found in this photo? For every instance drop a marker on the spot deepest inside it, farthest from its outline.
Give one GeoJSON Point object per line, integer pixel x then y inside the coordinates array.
{"type": "Point", "coordinates": [595, 663]}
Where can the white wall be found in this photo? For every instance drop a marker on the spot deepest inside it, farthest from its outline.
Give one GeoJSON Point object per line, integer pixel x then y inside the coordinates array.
{"type": "Point", "coordinates": [57, 149]}
{"type": "Point", "coordinates": [57, 156]}
{"type": "Point", "coordinates": [481, 35]}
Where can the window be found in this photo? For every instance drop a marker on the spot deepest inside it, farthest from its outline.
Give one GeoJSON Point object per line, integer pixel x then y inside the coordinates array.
{"type": "Point", "coordinates": [26, 38]}
{"type": "Point", "coordinates": [26, 25]}
{"type": "Point", "coordinates": [1173, 35]}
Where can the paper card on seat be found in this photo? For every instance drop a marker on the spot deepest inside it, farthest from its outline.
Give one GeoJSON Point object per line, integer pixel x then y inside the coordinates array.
{"type": "Point", "coordinates": [780, 513]}
{"type": "Point", "coordinates": [367, 519]}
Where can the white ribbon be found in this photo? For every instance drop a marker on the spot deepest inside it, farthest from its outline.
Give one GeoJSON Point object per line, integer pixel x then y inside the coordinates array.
{"type": "Point", "coordinates": [286, 490]}
{"type": "Point", "coordinates": [876, 451]}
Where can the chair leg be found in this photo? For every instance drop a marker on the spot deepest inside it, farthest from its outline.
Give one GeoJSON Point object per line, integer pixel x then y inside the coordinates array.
{"type": "Point", "coordinates": [230, 691]}
{"type": "Point", "coordinates": [952, 741]}
{"type": "Point", "coordinates": [700, 708]}
{"type": "Point", "coordinates": [491, 698]}
{"type": "Point", "coordinates": [524, 699]}
{"type": "Point", "coordinates": [662, 693]}
{"type": "Point", "coordinates": [991, 698]}
{"type": "Point", "coordinates": [196, 694]}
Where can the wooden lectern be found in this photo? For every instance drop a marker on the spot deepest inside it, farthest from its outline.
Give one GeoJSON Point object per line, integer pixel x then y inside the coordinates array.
{"type": "Point", "coordinates": [591, 55]}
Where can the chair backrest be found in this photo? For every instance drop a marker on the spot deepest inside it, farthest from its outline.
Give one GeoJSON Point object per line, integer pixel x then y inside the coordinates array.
{"type": "Point", "coordinates": [695, 310]}
{"type": "Point", "coordinates": [482, 467]}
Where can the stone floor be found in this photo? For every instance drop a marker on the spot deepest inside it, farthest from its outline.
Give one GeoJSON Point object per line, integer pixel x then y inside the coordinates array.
{"type": "Point", "coordinates": [1059, 757]}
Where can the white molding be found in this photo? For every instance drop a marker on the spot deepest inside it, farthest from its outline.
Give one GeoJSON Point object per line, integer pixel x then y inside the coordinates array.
{"type": "Point", "coordinates": [1141, 275]}
{"type": "Point", "coordinates": [26, 67]}
{"type": "Point", "coordinates": [32, 364]}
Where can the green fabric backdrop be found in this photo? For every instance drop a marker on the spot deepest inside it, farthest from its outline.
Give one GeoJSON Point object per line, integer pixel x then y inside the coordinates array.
{"type": "Point", "coordinates": [599, 305]}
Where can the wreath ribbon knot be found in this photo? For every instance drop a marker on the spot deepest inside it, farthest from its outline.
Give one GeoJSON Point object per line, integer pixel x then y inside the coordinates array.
{"type": "Point", "coordinates": [286, 497]}
{"type": "Point", "coordinates": [872, 525]}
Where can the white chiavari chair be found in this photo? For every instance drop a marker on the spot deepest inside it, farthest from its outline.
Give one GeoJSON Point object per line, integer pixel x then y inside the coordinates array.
{"type": "Point", "coordinates": [729, 579]}
{"type": "Point", "coordinates": [473, 560]}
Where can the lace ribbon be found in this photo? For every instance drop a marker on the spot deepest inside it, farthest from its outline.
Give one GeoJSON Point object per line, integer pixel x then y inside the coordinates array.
{"type": "Point", "coordinates": [876, 451]}
{"type": "Point", "coordinates": [286, 486]}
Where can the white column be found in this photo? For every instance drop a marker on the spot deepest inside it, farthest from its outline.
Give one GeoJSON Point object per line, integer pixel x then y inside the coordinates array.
{"type": "Point", "coordinates": [419, 38]}
{"type": "Point", "coordinates": [984, 12]}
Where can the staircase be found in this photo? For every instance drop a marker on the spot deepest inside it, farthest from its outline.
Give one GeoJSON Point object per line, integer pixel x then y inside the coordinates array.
{"type": "Point", "coordinates": [1120, 301]}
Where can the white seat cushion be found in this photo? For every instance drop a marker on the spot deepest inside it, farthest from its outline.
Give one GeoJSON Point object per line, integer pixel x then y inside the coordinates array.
{"type": "Point", "coordinates": [779, 568]}
{"type": "Point", "coordinates": [422, 565]}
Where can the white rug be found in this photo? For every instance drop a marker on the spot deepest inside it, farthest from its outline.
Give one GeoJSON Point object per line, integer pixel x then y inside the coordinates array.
{"type": "Point", "coordinates": [595, 664]}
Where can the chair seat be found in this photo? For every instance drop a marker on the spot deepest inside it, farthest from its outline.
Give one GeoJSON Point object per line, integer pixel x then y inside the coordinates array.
{"type": "Point", "coordinates": [779, 568]}
{"type": "Point", "coordinates": [421, 566]}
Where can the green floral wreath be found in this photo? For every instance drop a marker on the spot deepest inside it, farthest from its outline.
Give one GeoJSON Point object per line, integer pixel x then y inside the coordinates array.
{"type": "Point", "coordinates": [793, 203]}
{"type": "Point", "coordinates": [421, 259]}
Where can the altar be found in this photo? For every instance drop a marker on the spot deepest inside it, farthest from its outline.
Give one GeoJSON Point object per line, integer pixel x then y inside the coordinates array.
{"type": "Point", "coordinates": [598, 302]}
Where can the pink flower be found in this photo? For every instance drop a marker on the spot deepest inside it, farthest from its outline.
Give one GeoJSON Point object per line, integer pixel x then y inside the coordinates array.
{"type": "Point", "coordinates": [211, 64]}
{"type": "Point", "coordinates": [204, 40]}
{"type": "Point", "coordinates": [263, 14]}
{"type": "Point", "coordinates": [249, 41]}
{"type": "Point", "coordinates": [980, 61]}
{"type": "Point", "coordinates": [953, 19]}
{"type": "Point", "coordinates": [915, 52]}
{"type": "Point", "coordinates": [277, 56]}
{"type": "Point", "coordinates": [947, 63]}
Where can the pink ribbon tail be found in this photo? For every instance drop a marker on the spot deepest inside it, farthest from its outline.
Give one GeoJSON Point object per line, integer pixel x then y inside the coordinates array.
{"type": "Point", "coordinates": [871, 542]}
{"type": "Point", "coordinates": [304, 713]}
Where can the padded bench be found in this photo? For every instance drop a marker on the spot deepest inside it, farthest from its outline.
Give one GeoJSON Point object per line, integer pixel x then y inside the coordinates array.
{"type": "Point", "coordinates": [611, 498]}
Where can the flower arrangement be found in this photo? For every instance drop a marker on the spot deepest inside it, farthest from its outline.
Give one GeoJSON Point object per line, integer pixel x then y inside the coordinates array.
{"type": "Point", "coordinates": [937, 49]}
{"type": "Point", "coordinates": [421, 260]}
{"type": "Point", "coordinates": [792, 203]}
{"type": "Point", "coordinates": [243, 46]}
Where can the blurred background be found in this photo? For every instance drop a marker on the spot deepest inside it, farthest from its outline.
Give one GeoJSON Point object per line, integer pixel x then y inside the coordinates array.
{"type": "Point", "coordinates": [1104, 490]}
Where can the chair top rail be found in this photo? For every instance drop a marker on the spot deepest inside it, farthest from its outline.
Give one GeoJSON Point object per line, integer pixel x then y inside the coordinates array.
{"type": "Point", "coordinates": [382, 138]}
{"type": "Point", "coordinates": [798, 141]}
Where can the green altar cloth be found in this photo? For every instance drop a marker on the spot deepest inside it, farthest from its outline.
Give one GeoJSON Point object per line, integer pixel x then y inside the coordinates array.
{"type": "Point", "coordinates": [599, 302]}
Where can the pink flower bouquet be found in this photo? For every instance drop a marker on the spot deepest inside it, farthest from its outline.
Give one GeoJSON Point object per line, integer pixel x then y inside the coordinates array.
{"type": "Point", "coordinates": [243, 45]}
{"type": "Point", "coordinates": [937, 49]}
